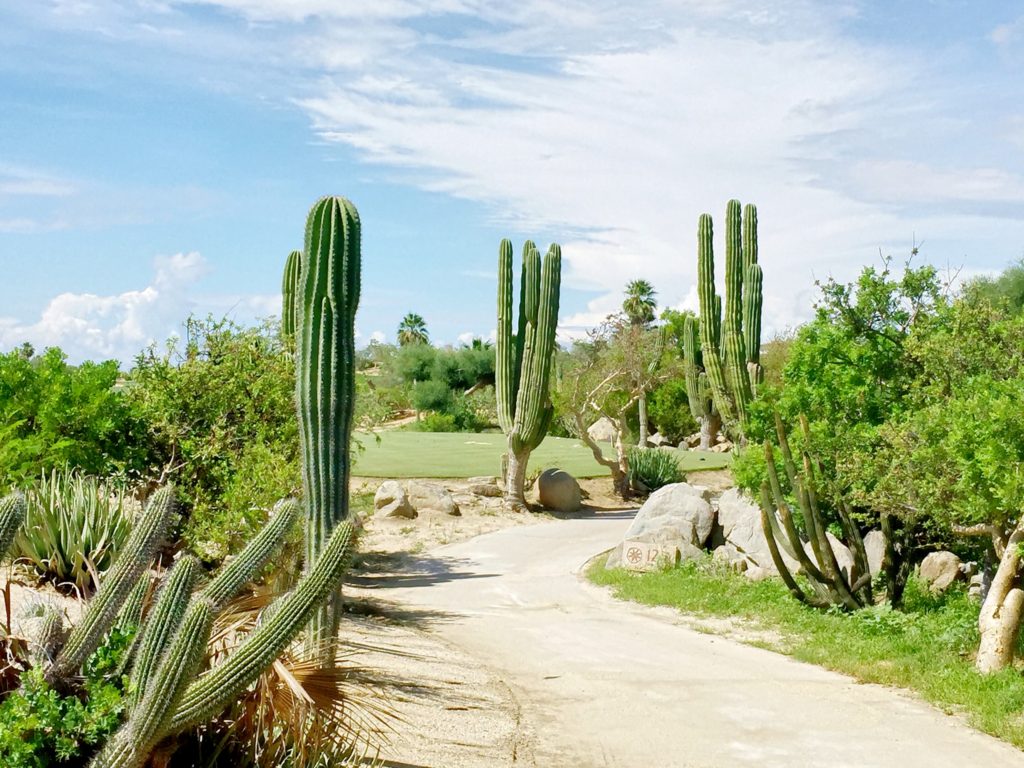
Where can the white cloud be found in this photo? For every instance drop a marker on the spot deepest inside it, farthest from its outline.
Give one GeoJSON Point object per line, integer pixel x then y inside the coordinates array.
{"type": "Point", "coordinates": [378, 337]}
{"type": "Point", "coordinates": [117, 326]}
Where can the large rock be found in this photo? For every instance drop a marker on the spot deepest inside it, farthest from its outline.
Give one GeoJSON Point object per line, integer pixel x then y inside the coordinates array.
{"type": "Point", "coordinates": [939, 570]}
{"type": "Point", "coordinates": [739, 528]}
{"type": "Point", "coordinates": [874, 547]}
{"type": "Point", "coordinates": [602, 430]}
{"type": "Point", "coordinates": [678, 518]}
{"type": "Point", "coordinates": [558, 490]}
{"type": "Point", "coordinates": [657, 440]}
{"type": "Point", "coordinates": [391, 500]}
{"type": "Point", "coordinates": [425, 495]}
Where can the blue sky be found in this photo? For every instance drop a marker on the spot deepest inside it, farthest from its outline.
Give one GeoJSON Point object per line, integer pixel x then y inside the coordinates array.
{"type": "Point", "coordinates": [158, 157]}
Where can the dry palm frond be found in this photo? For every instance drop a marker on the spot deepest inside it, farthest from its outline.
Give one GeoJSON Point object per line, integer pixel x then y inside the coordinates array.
{"type": "Point", "coordinates": [298, 714]}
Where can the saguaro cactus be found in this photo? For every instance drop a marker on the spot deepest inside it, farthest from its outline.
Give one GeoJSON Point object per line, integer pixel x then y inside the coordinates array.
{"type": "Point", "coordinates": [524, 360]}
{"type": "Point", "coordinates": [325, 383]}
{"type": "Point", "coordinates": [698, 391]}
{"type": "Point", "coordinates": [290, 306]}
{"type": "Point", "coordinates": [12, 515]}
{"type": "Point", "coordinates": [731, 351]}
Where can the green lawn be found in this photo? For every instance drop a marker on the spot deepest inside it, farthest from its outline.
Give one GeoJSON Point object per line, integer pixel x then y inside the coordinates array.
{"type": "Point", "coordinates": [926, 649]}
{"type": "Point", "coordinates": [401, 453]}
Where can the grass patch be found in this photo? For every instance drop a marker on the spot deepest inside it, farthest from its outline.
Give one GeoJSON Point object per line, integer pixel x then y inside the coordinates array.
{"type": "Point", "coordinates": [464, 454]}
{"type": "Point", "coordinates": [927, 649]}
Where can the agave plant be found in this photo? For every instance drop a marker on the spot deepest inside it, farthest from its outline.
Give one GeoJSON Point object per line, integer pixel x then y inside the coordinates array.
{"type": "Point", "coordinates": [75, 527]}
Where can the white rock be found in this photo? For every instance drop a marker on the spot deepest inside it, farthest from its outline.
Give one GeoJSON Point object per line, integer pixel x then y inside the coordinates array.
{"type": "Point", "coordinates": [391, 500]}
{"type": "Point", "coordinates": [559, 491]}
{"type": "Point", "coordinates": [426, 495]}
{"type": "Point", "coordinates": [602, 430]}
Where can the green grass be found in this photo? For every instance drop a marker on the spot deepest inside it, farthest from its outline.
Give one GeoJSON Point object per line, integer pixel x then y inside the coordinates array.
{"type": "Point", "coordinates": [927, 649]}
{"type": "Point", "coordinates": [462, 454]}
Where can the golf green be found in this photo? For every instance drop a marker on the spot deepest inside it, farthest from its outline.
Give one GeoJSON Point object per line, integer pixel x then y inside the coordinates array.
{"type": "Point", "coordinates": [461, 454]}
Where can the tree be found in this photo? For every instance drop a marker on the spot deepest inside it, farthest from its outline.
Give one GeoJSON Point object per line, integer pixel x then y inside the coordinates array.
{"type": "Point", "coordinates": [413, 330]}
{"type": "Point", "coordinates": [606, 376]}
{"type": "Point", "coordinates": [639, 304]}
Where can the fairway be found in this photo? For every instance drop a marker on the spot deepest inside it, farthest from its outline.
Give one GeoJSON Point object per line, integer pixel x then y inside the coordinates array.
{"type": "Point", "coordinates": [463, 454]}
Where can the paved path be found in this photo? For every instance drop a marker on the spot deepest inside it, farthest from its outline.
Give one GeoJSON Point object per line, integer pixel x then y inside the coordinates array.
{"type": "Point", "coordinates": [605, 683]}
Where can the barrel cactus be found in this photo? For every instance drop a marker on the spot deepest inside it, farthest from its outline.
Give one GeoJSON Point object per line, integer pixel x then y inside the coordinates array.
{"type": "Point", "coordinates": [524, 359]}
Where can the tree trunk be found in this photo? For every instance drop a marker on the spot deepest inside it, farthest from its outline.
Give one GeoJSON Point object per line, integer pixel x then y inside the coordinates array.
{"type": "Point", "coordinates": [515, 480]}
{"type": "Point", "coordinates": [642, 405]}
{"type": "Point", "coordinates": [999, 622]}
{"type": "Point", "coordinates": [620, 478]}
{"type": "Point", "coordinates": [709, 426]}
{"type": "Point", "coordinates": [620, 472]}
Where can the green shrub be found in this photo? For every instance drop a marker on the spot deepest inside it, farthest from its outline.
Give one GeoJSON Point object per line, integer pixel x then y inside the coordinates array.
{"type": "Point", "coordinates": [74, 528]}
{"type": "Point", "coordinates": [668, 408]}
{"type": "Point", "coordinates": [40, 728]}
{"type": "Point", "coordinates": [652, 468]}
{"type": "Point", "coordinates": [432, 395]}
{"type": "Point", "coordinates": [437, 422]}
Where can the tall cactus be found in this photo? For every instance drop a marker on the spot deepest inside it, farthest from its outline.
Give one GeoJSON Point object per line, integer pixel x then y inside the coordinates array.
{"type": "Point", "coordinates": [290, 306]}
{"type": "Point", "coordinates": [730, 350]}
{"type": "Point", "coordinates": [325, 383]}
{"type": "Point", "coordinates": [524, 361]}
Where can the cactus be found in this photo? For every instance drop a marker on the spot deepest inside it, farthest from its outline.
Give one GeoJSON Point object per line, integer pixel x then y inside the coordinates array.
{"type": "Point", "coordinates": [217, 688]}
{"type": "Point", "coordinates": [325, 383]}
{"type": "Point", "coordinates": [163, 621]}
{"type": "Point", "coordinates": [731, 350]}
{"type": "Point", "coordinates": [698, 390]}
{"type": "Point", "coordinates": [832, 585]}
{"type": "Point", "coordinates": [138, 552]}
{"type": "Point", "coordinates": [12, 517]}
{"type": "Point", "coordinates": [149, 720]}
{"type": "Point", "coordinates": [243, 567]}
{"type": "Point", "coordinates": [289, 291]}
{"type": "Point", "coordinates": [523, 362]}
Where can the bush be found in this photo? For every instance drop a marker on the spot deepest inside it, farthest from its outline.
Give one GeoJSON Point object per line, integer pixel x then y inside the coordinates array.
{"type": "Point", "coordinates": [653, 468]}
{"type": "Point", "coordinates": [669, 409]}
{"type": "Point", "coordinates": [432, 396]}
{"type": "Point", "coordinates": [74, 528]}
{"type": "Point", "coordinates": [437, 422]}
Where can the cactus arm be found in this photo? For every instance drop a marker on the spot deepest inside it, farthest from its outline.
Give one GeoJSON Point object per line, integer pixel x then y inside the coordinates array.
{"type": "Point", "coordinates": [289, 295]}
{"type": "Point", "coordinates": [691, 368]}
{"type": "Point", "coordinates": [12, 517]}
{"type": "Point", "coordinates": [217, 688]}
{"type": "Point", "coordinates": [136, 555]}
{"type": "Point", "coordinates": [325, 381]}
{"type": "Point", "coordinates": [244, 567]}
{"type": "Point", "coordinates": [769, 526]}
{"type": "Point", "coordinates": [165, 618]}
{"type": "Point", "coordinates": [506, 375]}
{"type": "Point", "coordinates": [532, 403]}
{"type": "Point", "coordinates": [149, 720]}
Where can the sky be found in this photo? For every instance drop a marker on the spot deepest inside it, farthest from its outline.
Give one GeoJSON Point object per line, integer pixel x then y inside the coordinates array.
{"type": "Point", "coordinates": [158, 157]}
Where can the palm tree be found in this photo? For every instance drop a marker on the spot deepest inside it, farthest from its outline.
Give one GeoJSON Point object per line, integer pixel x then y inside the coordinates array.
{"type": "Point", "coordinates": [413, 330]}
{"type": "Point", "coordinates": [639, 304]}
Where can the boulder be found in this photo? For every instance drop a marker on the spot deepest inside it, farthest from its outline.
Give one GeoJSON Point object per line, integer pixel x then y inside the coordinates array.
{"type": "Point", "coordinates": [558, 490]}
{"type": "Point", "coordinates": [657, 440]}
{"type": "Point", "coordinates": [939, 570]}
{"type": "Point", "coordinates": [843, 554]}
{"type": "Point", "coordinates": [739, 528]}
{"type": "Point", "coordinates": [693, 441]}
{"type": "Point", "coordinates": [874, 547]}
{"type": "Point", "coordinates": [676, 517]}
{"type": "Point", "coordinates": [602, 430]}
{"type": "Point", "coordinates": [485, 489]}
{"type": "Point", "coordinates": [721, 447]}
{"type": "Point", "coordinates": [391, 500]}
{"type": "Point", "coordinates": [426, 495]}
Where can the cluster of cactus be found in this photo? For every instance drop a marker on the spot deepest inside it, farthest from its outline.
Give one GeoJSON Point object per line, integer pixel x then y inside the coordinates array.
{"type": "Point", "coordinates": [698, 391]}
{"type": "Point", "coordinates": [524, 357]}
{"type": "Point", "coordinates": [290, 307]}
{"type": "Point", "coordinates": [168, 690]}
{"type": "Point", "coordinates": [730, 349]}
{"type": "Point", "coordinates": [831, 584]}
{"type": "Point", "coordinates": [328, 296]}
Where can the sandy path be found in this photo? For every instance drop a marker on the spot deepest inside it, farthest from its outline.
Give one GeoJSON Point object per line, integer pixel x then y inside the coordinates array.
{"type": "Point", "coordinates": [597, 682]}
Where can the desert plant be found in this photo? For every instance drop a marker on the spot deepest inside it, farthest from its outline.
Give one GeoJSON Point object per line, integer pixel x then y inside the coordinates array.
{"type": "Point", "coordinates": [730, 350]}
{"type": "Point", "coordinates": [524, 359]}
{"type": "Point", "coordinates": [290, 307]}
{"type": "Point", "coordinates": [832, 585]}
{"type": "Point", "coordinates": [325, 384]}
{"type": "Point", "coordinates": [653, 468]}
{"type": "Point", "coordinates": [74, 528]}
{"type": "Point", "coordinates": [413, 330]}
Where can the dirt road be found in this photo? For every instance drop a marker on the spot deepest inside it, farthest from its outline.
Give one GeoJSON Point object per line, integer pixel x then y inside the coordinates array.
{"type": "Point", "coordinates": [597, 682]}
